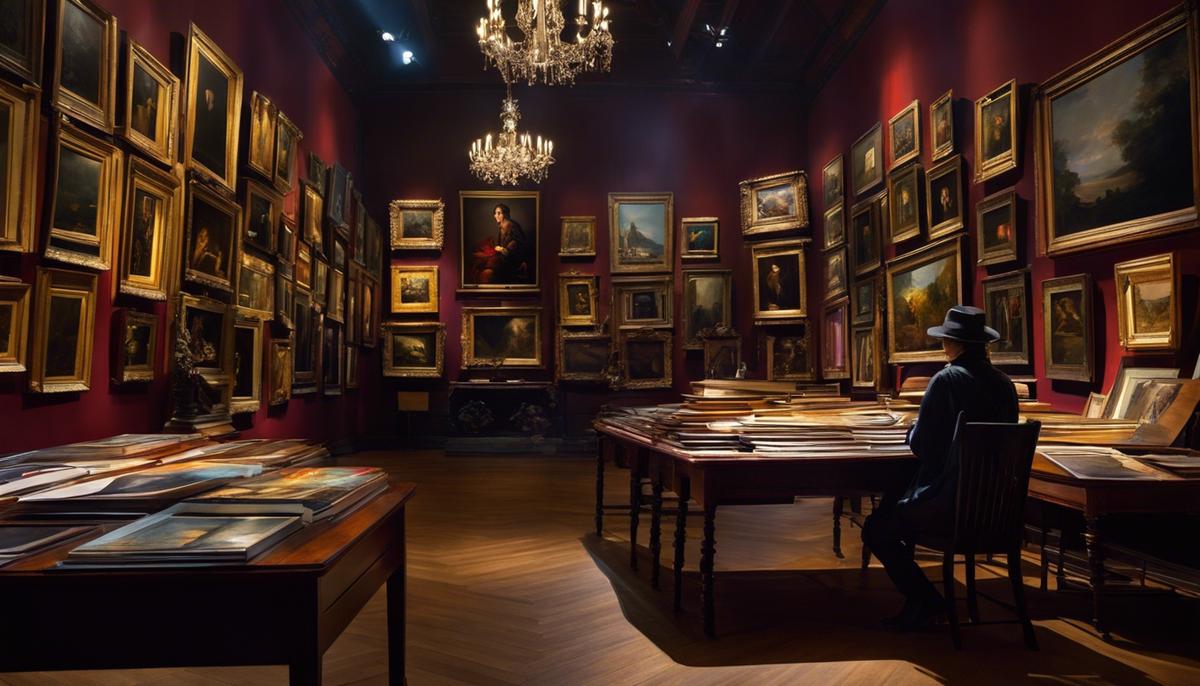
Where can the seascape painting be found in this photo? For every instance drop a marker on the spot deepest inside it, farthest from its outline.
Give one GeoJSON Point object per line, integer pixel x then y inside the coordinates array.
{"type": "Point", "coordinates": [774, 202]}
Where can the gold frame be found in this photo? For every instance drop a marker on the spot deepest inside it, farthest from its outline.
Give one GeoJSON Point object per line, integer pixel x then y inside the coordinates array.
{"type": "Point", "coordinates": [16, 225]}
{"type": "Point", "coordinates": [797, 180]}
{"type": "Point", "coordinates": [29, 66]}
{"type": "Point", "coordinates": [1180, 19]}
{"type": "Point", "coordinates": [241, 404]}
{"type": "Point", "coordinates": [827, 372]}
{"type": "Point", "coordinates": [500, 289]}
{"type": "Point", "coordinates": [435, 372]}
{"type": "Point", "coordinates": [335, 297]}
{"type": "Point", "coordinates": [303, 255]}
{"type": "Point", "coordinates": [286, 180]}
{"type": "Point", "coordinates": [911, 109]}
{"type": "Point", "coordinates": [826, 243]}
{"type": "Point", "coordinates": [953, 165]}
{"type": "Point", "coordinates": [839, 161]}
{"type": "Point", "coordinates": [352, 321]}
{"type": "Point", "coordinates": [265, 167]}
{"type": "Point", "coordinates": [1006, 281]}
{"type": "Point", "coordinates": [99, 114]}
{"type": "Point", "coordinates": [873, 284]}
{"type": "Point", "coordinates": [710, 348]}
{"type": "Point", "coordinates": [615, 200]}
{"type": "Point", "coordinates": [810, 375]}
{"type": "Point", "coordinates": [565, 318]}
{"type": "Point", "coordinates": [987, 169]}
{"type": "Point", "coordinates": [396, 209]}
{"type": "Point", "coordinates": [285, 300]}
{"type": "Point", "coordinates": [1163, 267]}
{"type": "Point", "coordinates": [252, 187]}
{"type": "Point", "coordinates": [876, 358]}
{"type": "Point", "coordinates": [200, 45]}
{"type": "Point", "coordinates": [222, 374]}
{"type": "Point", "coordinates": [279, 396]}
{"type": "Point", "coordinates": [74, 285]}
{"type": "Point", "coordinates": [875, 206]}
{"type": "Point", "coordinates": [312, 216]}
{"type": "Point", "coordinates": [622, 303]}
{"type": "Point", "coordinates": [590, 220]}
{"type": "Point", "coordinates": [15, 293]}
{"type": "Point", "coordinates": [162, 147]}
{"type": "Point", "coordinates": [122, 373]}
{"type": "Point", "coordinates": [643, 335]}
{"type": "Point", "coordinates": [781, 248]}
{"type": "Point", "coordinates": [946, 247]}
{"type": "Point", "coordinates": [285, 246]}
{"type": "Point", "coordinates": [432, 271]}
{"type": "Point", "coordinates": [350, 369]}
{"type": "Point", "coordinates": [305, 382]}
{"type": "Point", "coordinates": [938, 152]}
{"type": "Point", "coordinates": [685, 253]}
{"type": "Point", "coordinates": [562, 339]}
{"type": "Point", "coordinates": [59, 241]}
{"type": "Point", "coordinates": [693, 342]}
{"type": "Point", "coordinates": [1010, 251]}
{"type": "Point", "coordinates": [164, 187]}
{"type": "Point", "coordinates": [826, 272]}
{"type": "Point", "coordinates": [251, 263]}
{"type": "Point", "coordinates": [468, 334]}
{"type": "Point", "coordinates": [896, 233]}
{"type": "Point", "coordinates": [320, 283]}
{"type": "Point", "coordinates": [333, 387]}
{"type": "Point", "coordinates": [1083, 284]}
{"type": "Point", "coordinates": [875, 130]}
{"type": "Point", "coordinates": [227, 207]}
{"type": "Point", "coordinates": [369, 335]}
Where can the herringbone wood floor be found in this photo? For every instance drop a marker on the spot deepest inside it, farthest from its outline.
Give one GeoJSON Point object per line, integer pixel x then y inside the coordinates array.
{"type": "Point", "coordinates": [506, 586]}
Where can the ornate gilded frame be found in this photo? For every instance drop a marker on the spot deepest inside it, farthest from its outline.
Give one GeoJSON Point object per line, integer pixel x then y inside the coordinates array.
{"type": "Point", "coordinates": [221, 374]}
{"type": "Point", "coordinates": [281, 393]}
{"type": "Point", "coordinates": [430, 271]}
{"type": "Point", "coordinates": [796, 181]}
{"type": "Point", "coordinates": [828, 267]}
{"type": "Point", "coordinates": [28, 65]}
{"type": "Point", "coordinates": [251, 267]}
{"type": "Point", "coordinates": [989, 168]}
{"type": "Point", "coordinates": [1007, 252]}
{"type": "Point", "coordinates": [263, 164]}
{"type": "Point", "coordinates": [828, 371]}
{"type": "Point", "coordinates": [835, 168]}
{"type": "Point", "coordinates": [60, 283]}
{"type": "Point", "coordinates": [615, 200]}
{"type": "Point", "coordinates": [499, 289]}
{"type": "Point", "coordinates": [566, 279]}
{"type": "Point", "coordinates": [898, 233]}
{"type": "Point", "coordinates": [646, 335]}
{"type": "Point", "coordinates": [856, 302]}
{"type": "Point", "coordinates": [687, 254]}
{"type": "Point", "coordinates": [937, 152]}
{"type": "Point", "coordinates": [566, 338]}
{"type": "Point", "coordinates": [127, 320]}
{"type": "Point", "coordinates": [98, 114]}
{"type": "Point", "coordinates": [200, 46]}
{"type": "Point", "coordinates": [991, 284]}
{"type": "Point", "coordinates": [912, 109]}
{"type": "Point", "coordinates": [800, 376]}
{"type": "Point", "coordinates": [312, 216]}
{"type": "Point", "coordinates": [590, 251]}
{"type": "Point", "coordinates": [1080, 372]}
{"type": "Point", "coordinates": [623, 289]}
{"type": "Point", "coordinates": [469, 314]}
{"type": "Point", "coordinates": [16, 224]}
{"type": "Point", "coordinates": [161, 148]}
{"type": "Point", "coordinates": [389, 361]}
{"type": "Point", "coordinates": [691, 338]}
{"type": "Point", "coordinates": [305, 382]}
{"type": "Point", "coordinates": [199, 192]}
{"type": "Point", "coordinates": [948, 226]}
{"type": "Point", "coordinates": [873, 137]}
{"type": "Point", "coordinates": [878, 382]}
{"type": "Point", "coordinates": [947, 247]}
{"type": "Point", "coordinates": [14, 295]}
{"type": "Point", "coordinates": [833, 229]}
{"type": "Point", "coordinates": [335, 299]}
{"type": "Point", "coordinates": [874, 206]}
{"type": "Point", "coordinates": [1127, 275]}
{"type": "Point", "coordinates": [247, 403]}
{"type": "Point", "coordinates": [76, 247]}
{"type": "Point", "coordinates": [396, 210]}
{"type": "Point", "coordinates": [781, 249]}
{"type": "Point", "coordinates": [287, 138]}
{"type": "Point", "coordinates": [285, 300]}
{"type": "Point", "coordinates": [285, 255]}
{"type": "Point", "coordinates": [165, 188]}
{"type": "Point", "coordinates": [252, 188]}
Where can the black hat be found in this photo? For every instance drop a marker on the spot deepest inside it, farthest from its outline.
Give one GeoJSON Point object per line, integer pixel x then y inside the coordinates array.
{"type": "Point", "coordinates": [964, 324]}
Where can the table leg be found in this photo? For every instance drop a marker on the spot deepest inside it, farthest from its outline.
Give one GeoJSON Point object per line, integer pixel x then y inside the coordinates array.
{"type": "Point", "coordinates": [708, 552]}
{"type": "Point", "coordinates": [685, 492]}
{"type": "Point", "coordinates": [1095, 552]}
{"type": "Point", "coordinates": [656, 529]}
{"type": "Point", "coordinates": [396, 622]}
{"type": "Point", "coordinates": [600, 445]}
{"type": "Point", "coordinates": [837, 526]}
{"type": "Point", "coordinates": [635, 507]}
{"type": "Point", "coordinates": [305, 672]}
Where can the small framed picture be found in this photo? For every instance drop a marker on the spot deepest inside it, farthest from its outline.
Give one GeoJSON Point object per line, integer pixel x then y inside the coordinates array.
{"type": "Point", "coordinates": [835, 228]}
{"type": "Point", "coordinates": [582, 356]}
{"type": "Point", "coordinates": [944, 198]}
{"type": "Point", "coordinates": [866, 234]}
{"type": "Point", "coordinates": [1148, 295]}
{"type": "Point", "coordinates": [904, 202]}
{"type": "Point", "coordinates": [414, 349]}
{"type": "Point", "coordinates": [211, 238]}
{"type": "Point", "coordinates": [150, 235]}
{"type": "Point", "coordinates": [641, 301]}
{"type": "Point", "coordinates": [578, 295]}
{"type": "Point", "coordinates": [64, 323]}
{"type": "Point", "coordinates": [312, 216]}
{"type": "Point", "coordinates": [1007, 310]}
{"type": "Point", "coordinates": [722, 356]}
{"type": "Point", "coordinates": [279, 372]}
{"type": "Point", "coordinates": [351, 380]}
{"type": "Point", "coordinates": [700, 238]}
{"type": "Point", "coordinates": [578, 237]}
{"type": "Point", "coordinates": [774, 203]}
{"type": "Point", "coordinates": [264, 120]}
{"type": "Point", "coordinates": [832, 188]}
{"type": "Point", "coordinates": [335, 309]}
{"type": "Point", "coordinates": [84, 205]}
{"type": "Point", "coordinates": [707, 303]}
{"type": "Point", "coordinates": [246, 392]}
{"type": "Point", "coordinates": [85, 60]}
{"type": "Point", "coordinates": [287, 147]}
{"type": "Point", "coordinates": [19, 153]}
{"type": "Point", "coordinates": [646, 359]}
{"type": "Point", "coordinates": [941, 126]}
{"type": "Point", "coordinates": [415, 289]}
{"type": "Point", "coordinates": [306, 343]}
{"type": "Point", "coordinates": [996, 222]}
{"type": "Point", "coordinates": [151, 107]}
{"type": "Point", "coordinates": [417, 224]}
{"type": "Point", "coordinates": [262, 207]}
{"type": "Point", "coordinates": [904, 135]}
{"type": "Point", "coordinates": [320, 283]}
{"type": "Point", "coordinates": [1067, 328]}
{"type": "Point", "coordinates": [640, 229]}
{"type": "Point", "coordinates": [835, 337]}
{"type": "Point", "coordinates": [256, 288]}
{"type": "Point", "coordinates": [14, 325]}
{"type": "Point", "coordinates": [789, 358]}
{"type": "Point", "coordinates": [135, 353]}
{"type": "Point", "coordinates": [868, 358]}
{"type": "Point", "coordinates": [864, 301]}
{"type": "Point", "coordinates": [779, 278]}
{"type": "Point", "coordinates": [866, 160]}
{"type": "Point", "coordinates": [835, 278]}
{"type": "Point", "coordinates": [996, 144]}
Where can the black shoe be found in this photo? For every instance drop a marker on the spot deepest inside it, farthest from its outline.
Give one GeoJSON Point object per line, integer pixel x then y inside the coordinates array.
{"type": "Point", "coordinates": [924, 616]}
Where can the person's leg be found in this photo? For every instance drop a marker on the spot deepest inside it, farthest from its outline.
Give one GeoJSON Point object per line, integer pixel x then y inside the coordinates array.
{"type": "Point", "coordinates": [883, 534]}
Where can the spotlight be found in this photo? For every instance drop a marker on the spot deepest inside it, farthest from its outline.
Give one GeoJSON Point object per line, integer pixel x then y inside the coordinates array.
{"type": "Point", "coordinates": [387, 37]}
{"type": "Point", "coordinates": [406, 57]}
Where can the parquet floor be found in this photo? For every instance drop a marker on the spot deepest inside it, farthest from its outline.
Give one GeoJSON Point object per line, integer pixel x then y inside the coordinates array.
{"type": "Point", "coordinates": [506, 586]}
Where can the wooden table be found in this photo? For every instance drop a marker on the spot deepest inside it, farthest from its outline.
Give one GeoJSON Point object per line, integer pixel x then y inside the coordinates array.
{"type": "Point", "coordinates": [285, 607]}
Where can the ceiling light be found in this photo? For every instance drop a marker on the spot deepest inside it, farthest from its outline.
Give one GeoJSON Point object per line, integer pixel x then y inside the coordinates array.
{"type": "Point", "coordinates": [407, 57]}
{"type": "Point", "coordinates": [510, 155]}
{"type": "Point", "coordinates": [542, 54]}
{"type": "Point", "coordinates": [387, 37]}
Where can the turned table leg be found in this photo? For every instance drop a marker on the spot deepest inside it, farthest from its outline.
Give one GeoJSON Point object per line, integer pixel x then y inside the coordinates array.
{"type": "Point", "coordinates": [708, 552]}
{"type": "Point", "coordinates": [1095, 553]}
{"type": "Point", "coordinates": [685, 492]}
{"type": "Point", "coordinates": [656, 506]}
{"type": "Point", "coordinates": [837, 526]}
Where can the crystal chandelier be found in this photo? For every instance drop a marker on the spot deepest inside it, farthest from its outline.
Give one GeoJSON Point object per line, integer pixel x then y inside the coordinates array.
{"type": "Point", "coordinates": [509, 156]}
{"type": "Point", "coordinates": [542, 55]}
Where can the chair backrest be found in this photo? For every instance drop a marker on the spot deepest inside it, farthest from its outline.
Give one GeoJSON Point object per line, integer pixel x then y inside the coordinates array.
{"type": "Point", "coordinates": [994, 460]}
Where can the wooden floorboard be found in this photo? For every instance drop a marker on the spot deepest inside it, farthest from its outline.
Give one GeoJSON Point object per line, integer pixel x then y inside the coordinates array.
{"type": "Point", "coordinates": [507, 586]}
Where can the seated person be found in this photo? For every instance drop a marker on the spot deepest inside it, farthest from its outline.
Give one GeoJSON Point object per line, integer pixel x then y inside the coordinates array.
{"type": "Point", "coordinates": [970, 384]}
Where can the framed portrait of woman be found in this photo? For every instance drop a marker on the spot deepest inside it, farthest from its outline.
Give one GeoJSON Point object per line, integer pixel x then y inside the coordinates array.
{"type": "Point", "coordinates": [498, 250]}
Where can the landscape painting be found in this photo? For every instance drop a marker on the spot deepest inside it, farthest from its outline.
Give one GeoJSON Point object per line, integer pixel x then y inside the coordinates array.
{"type": "Point", "coordinates": [921, 287]}
{"type": "Point", "coordinates": [1148, 309]}
{"type": "Point", "coordinates": [640, 232]}
{"type": "Point", "coordinates": [706, 302]}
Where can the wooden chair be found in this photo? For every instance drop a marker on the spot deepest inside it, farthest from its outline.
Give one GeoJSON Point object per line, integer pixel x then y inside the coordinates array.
{"type": "Point", "coordinates": [994, 461]}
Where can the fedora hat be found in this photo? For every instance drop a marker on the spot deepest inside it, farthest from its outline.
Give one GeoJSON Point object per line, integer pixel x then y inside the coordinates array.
{"type": "Point", "coordinates": [965, 324]}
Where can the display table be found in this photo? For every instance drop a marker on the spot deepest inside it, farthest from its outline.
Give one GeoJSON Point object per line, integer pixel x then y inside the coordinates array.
{"type": "Point", "coordinates": [285, 607]}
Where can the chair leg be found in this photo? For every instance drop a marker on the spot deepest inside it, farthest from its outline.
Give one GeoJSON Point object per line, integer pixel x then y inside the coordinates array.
{"type": "Point", "coordinates": [1018, 589]}
{"type": "Point", "coordinates": [866, 555]}
{"type": "Point", "coordinates": [948, 585]}
{"type": "Point", "coordinates": [972, 601]}
{"type": "Point", "coordinates": [837, 526]}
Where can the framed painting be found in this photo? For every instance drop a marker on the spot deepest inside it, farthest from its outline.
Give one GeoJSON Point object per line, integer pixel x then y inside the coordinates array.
{"type": "Point", "coordinates": [209, 333]}
{"type": "Point", "coordinates": [414, 289]}
{"type": "Point", "coordinates": [417, 224]}
{"type": "Point", "coordinates": [150, 115]}
{"type": "Point", "coordinates": [374, 249]}
{"type": "Point", "coordinates": [866, 160]}
{"type": "Point", "coordinates": [311, 216]}
{"type": "Point", "coordinates": [498, 242]}
{"type": "Point", "coordinates": [287, 148]}
{"type": "Point", "coordinates": [868, 369]}
{"type": "Point", "coordinates": [904, 203]}
{"type": "Point", "coordinates": [511, 336]}
{"type": "Point", "coordinates": [779, 279]}
{"type": "Point", "coordinates": [85, 63]}
{"type": "Point", "coordinates": [864, 301]}
{"type": "Point", "coordinates": [789, 358]}
{"type": "Point", "coordinates": [833, 189]}
{"type": "Point", "coordinates": [835, 280]}
{"type": "Point", "coordinates": [578, 237]}
{"type": "Point", "coordinates": [256, 288]}
{"type": "Point", "coordinates": [320, 282]}
{"type": "Point", "coordinates": [643, 301]}
{"type": "Point", "coordinates": [22, 41]}
{"type": "Point", "coordinates": [369, 311]}
{"type": "Point", "coordinates": [212, 110]}
{"type": "Point", "coordinates": [996, 228]}
{"type": "Point", "coordinates": [150, 231]}
{"type": "Point", "coordinates": [944, 198]}
{"type": "Point", "coordinates": [414, 349]}
{"type": "Point", "coordinates": [338, 254]}
{"type": "Point", "coordinates": [85, 201]}
{"type": "Point", "coordinates": [707, 303]}
{"type": "Point", "coordinates": [639, 230]}
{"type": "Point", "coordinates": [304, 266]}
{"type": "Point", "coordinates": [1129, 380]}
{"type": "Point", "coordinates": [997, 147]}
{"type": "Point", "coordinates": [279, 371]}
{"type": "Point", "coordinates": [770, 204]}
{"type": "Point", "coordinates": [646, 359]}
{"type": "Point", "coordinates": [360, 231]}
{"type": "Point", "coordinates": [337, 190]}
{"type": "Point", "coordinates": [285, 299]}
{"type": "Point", "coordinates": [305, 363]}
{"type": "Point", "coordinates": [64, 321]}
{"type": "Point", "coordinates": [921, 287]}
{"type": "Point", "coordinates": [333, 360]}
{"type": "Point", "coordinates": [261, 207]}
{"type": "Point", "coordinates": [1006, 309]}
{"type": "Point", "coordinates": [285, 254]}
{"type": "Point", "coordinates": [866, 234]}
{"type": "Point", "coordinates": [264, 124]}
{"type": "Point", "coordinates": [14, 325]}
{"type": "Point", "coordinates": [1103, 179]}
{"type": "Point", "coordinates": [582, 356]}
{"type": "Point", "coordinates": [1067, 328]}
{"type": "Point", "coordinates": [335, 309]}
{"type": "Point", "coordinates": [904, 135]}
{"type": "Point", "coordinates": [20, 116]}
{"type": "Point", "coordinates": [353, 293]}
{"type": "Point", "coordinates": [351, 355]}
{"type": "Point", "coordinates": [210, 242]}
{"type": "Point", "coordinates": [1148, 310]}
{"type": "Point", "coordinates": [722, 357]}
{"type": "Point", "coordinates": [700, 238]}
{"type": "Point", "coordinates": [835, 341]}
{"type": "Point", "coordinates": [1151, 400]}
{"type": "Point", "coordinates": [578, 296]}
{"type": "Point", "coordinates": [135, 353]}
{"type": "Point", "coordinates": [316, 172]}
{"type": "Point", "coordinates": [246, 389]}
{"type": "Point", "coordinates": [834, 228]}
{"type": "Point", "coordinates": [941, 126]}
{"type": "Point", "coordinates": [1093, 407]}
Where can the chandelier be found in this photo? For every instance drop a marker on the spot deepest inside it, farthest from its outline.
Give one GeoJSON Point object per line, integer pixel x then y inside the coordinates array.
{"type": "Point", "coordinates": [542, 55]}
{"type": "Point", "coordinates": [509, 156]}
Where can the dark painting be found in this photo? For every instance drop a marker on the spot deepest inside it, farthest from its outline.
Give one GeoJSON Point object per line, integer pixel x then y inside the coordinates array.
{"type": "Point", "coordinates": [578, 236]}
{"type": "Point", "coordinates": [585, 357]}
{"type": "Point", "coordinates": [997, 127]}
{"type": "Point", "coordinates": [82, 48]}
{"type": "Point", "coordinates": [1066, 328]}
{"type": "Point", "coordinates": [866, 169]}
{"type": "Point", "coordinates": [904, 137]}
{"type": "Point", "coordinates": [284, 143]}
{"type": "Point", "coordinates": [78, 193]}
{"type": "Point", "coordinates": [904, 202]}
{"type": "Point", "coordinates": [644, 305]}
{"type": "Point", "coordinates": [774, 202]}
{"type": "Point", "coordinates": [500, 239]}
{"type": "Point", "coordinates": [778, 283]}
{"type": "Point", "coordinates": [137, 345]}
{"type": "Point", "coordinates": [1006, 314]}
{"type": "Point", "coordinates": [790, 357]}
{"type": "Point", "coordinates": [330, 356]}
{"type": "Point", "coordinates": [205, 329]}
{"type": "Point", "coordinates": [5, 146]}
{"type": "Point", "coordinates": [141, 241]}
{"type": "Point", "coordinates": [943, 198]}
{"type": "Point", "coordinates": [645, 360]}
{"type": "Point", "coordinates": [144, 118]}
{"type": "Point", "coordinates": [14, 26]}
{"type": "Point", "coordinates": [7, 313]}
{"type": "Point", "coordinates": [866, 240]}
{"type": "Point", "coordinates": [209, 138]}
{"type": "Point", "coordinates": [414, 290]}
{"type": "Point", "coordinates": [579, 302]}
{"type": "Point", "coordinates": [505, 336]}
{"type": "Point", "coordinates": [942, 125]}
{"type": "Point", "coordinates": [63, 335]}
{"type": "Point", "coordinates": [997, 227]}
{"type": "Point", "coordinates": [417, 224]}
{"type": "Point", "coordinates": [707, 298]}
{"type": "Point", "coordinates": [212, 233]}
{"type": "Point", "coordinates": [258, 224]}
{"type": "Point", "coordinates": [302, 319]}
{"type": "Point", "coordinates": [243, 362]}
{"type": "Point", "coordinates": [414, 349]}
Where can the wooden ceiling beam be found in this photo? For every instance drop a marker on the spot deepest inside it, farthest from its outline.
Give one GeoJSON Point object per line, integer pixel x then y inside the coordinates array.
{"type": "Point", "coordinates": [683, 26]}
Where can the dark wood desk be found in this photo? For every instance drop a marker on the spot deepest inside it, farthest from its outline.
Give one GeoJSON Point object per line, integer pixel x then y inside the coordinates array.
{"type": "Point", "coordinates": [285, 607]}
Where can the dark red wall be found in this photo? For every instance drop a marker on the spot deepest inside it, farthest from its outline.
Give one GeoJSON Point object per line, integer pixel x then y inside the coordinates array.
{"type": "Point", "coordinates": [917, 49]}
{"type": "Point", "coordinates": [277, 58]}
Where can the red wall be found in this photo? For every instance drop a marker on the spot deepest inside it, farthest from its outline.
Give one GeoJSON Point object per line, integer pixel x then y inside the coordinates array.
{"type": "Point", "coordinates": [917, 49]}
{"type": "Point", "coordinates": [266, 41]}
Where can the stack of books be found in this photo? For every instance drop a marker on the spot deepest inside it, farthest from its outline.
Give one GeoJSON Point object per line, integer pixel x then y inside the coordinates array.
{"type": "Point", "coordinates": [22, 540]}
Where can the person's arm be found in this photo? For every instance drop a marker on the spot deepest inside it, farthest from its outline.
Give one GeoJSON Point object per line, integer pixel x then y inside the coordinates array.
{"type": "Point", "coordinates": [931, 435]}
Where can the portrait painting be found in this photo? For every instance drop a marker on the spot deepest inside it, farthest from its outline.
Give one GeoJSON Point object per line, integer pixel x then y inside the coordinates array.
{"type": "Point", "coordinates": [264, 120]}
{"type": "Point", "coordinates": [417, 224]}
{"type": "Point", "coordinates": [1148, 308]}
{"type": "Point", "coordinates": [836, 280]}
{"type": "Point", "coordinates": [582, 356]}
{"type": "Point", "coordinates": [941, 125]}
{"type": "Point", "coordinates": [944, 198]}
{"type": "Point", "coordinates": [866, 160]}
{"type": "Point", "coordinates": [134, 354]}
{"type": "Point", "coordinates": [512, 335]}
{"type": "Point", "coordinates": [1067, 327]}
{"type": "Point", "coordinates": [646, 359]}
{"type": "Point", "coordinates": [311, 216]}
{"type": "Point", "coordinates": [707, 303]}
{"type": "Point", "coordinates": [246, 388]}
{"type": "Point", "coordinates": [774, 203]}
{"type": "Point", "coordinates": [256, 288]}
{"type": "Point", "coordinates": [904, 203]}
{"type": "Point", "coordinates": [414, 349]}
{"type": "Point", "coordinates": [835, 339]}
{"type": "Point", "coordinates": [414, 288]}
{"type": "Point", "coordinates": [279, 363]}
{"type": "Point", "coordinates": [640, 301]}
{"type": "Point", "coordinates": [577, 297]}
{"type": "Point", "coordinates": [864, 305]}
{"type": "Point", "coordinates": [64, 321]}
{"type": "Point", "coordinates": [85, 63]}
{"type": "Point", "coordinates": [904, 135]}
{"type": "Point", "coordinates": [996, 145]}
{"type": "Point", "coordinates": [864, 346]}
{"type": "Point", "coordinates": [835, 228]}
{"type": "Point", "coordinates": [789, 358]}
{"type": "Point", "coordinates": [578, 237]}
{"type": "Point", "coordinates": [149, 231]}
{"type": "Point", "coordinates": [151, 104]}
{"type": "Point", "coordinates": [285, 298]}
{"type": "Point", "coordinates": [85, 199]}
{"type": "Point", "coordinates": [640, 232]}
{"type": "Point", "coordinates": [1119, 142]}
{"type": "Point", "coordinates": [996, 222]}
{"type": "Point", "coordinates": [1006, 309]}
{"type": "Point", "coordinates": [14, 325]}
{"type": "Point", "coordinates": [498, 247]}
{"type": "Point", "coordinates": [779, 280]}
{"type": "Point", "coordinates": [722, 357]}
{"type": "Point", "coordinates": [213, 92]}
{"type": "Point", "coordinates": [832, 190]}
{"type": "Point", "coordinates": [921, 287]}
{"type": "Point", "coordinates": [261, 207]}
{"type": "Point", "coordinates": [20, 117]}
{"type": "Point", "coordinates": [210, 248]}
{"type": "Point", "coordinates": [700, 238]}
{"type": "Point", "coordinates": [287, 145]}
{"type": "Point", "coordinates": [866, 234]}
{"type": "Point", "coordinates": [22, 33]}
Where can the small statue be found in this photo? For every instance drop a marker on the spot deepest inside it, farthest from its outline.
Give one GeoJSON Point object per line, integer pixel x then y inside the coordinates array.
{"type": "Point", "coordinates": [741, 371]}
